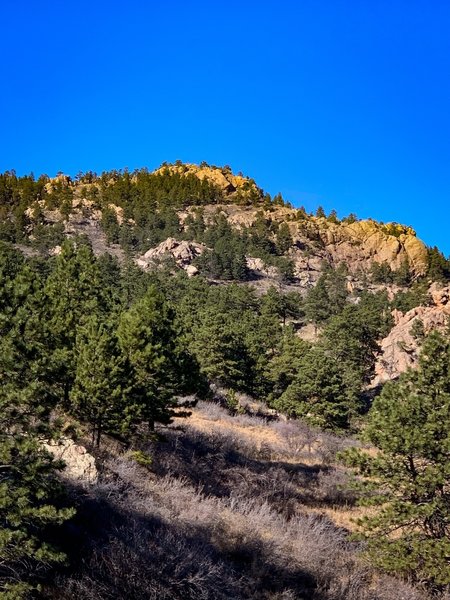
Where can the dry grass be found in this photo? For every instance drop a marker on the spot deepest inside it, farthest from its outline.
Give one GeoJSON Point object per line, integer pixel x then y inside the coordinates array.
{"type": "Point", "coordinates": [233, 508]}
{"type": "Point", "coordinates": [295, 443]}
{"type": "Point", "coordinates": [253, 429]}
{"type": "Point", "coordinates": [345, 517]}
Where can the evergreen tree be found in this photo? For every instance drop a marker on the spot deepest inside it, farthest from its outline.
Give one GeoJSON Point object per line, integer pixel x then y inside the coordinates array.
{"type": "Point", "coordinates": [409, 477]}
{"type": "Point", "coordinates": [110, 225]}
{"type": "Point", "coordinates": [285, 364]}
{"type": "Point", "coordinates": [98, 391]}
{"type": "Point", "coordinates": [284, 239]}
{"type": "Point", "coordinates": [159, 364]}
{"type": "Point", "coordinates": [286, 269]}
{"type": "Point", "coordinates": [332, 217]}
{"type": "Point", "coordinates": [317, 302]}
{"type": "Point", "coordinates": [438, 265]}
{"type": "Point", "coordinates": [28, 511]}
{"type": "Point", "coordinates": [74, 292]}
{"type": "Point", "coordinates": [221, 350]}
{"type": "Point", "coordinates": [415, 295]}
{"type": "Point", "coordinates": [25, 342]}
{"type": "Point", "coordinates": [226, 261]}
{"type": "Point", "coordinates": [381, 273]}
{"type": "Point", "coordinates": [350, 338]}
{"type": "Point", "coordinates": [320, 213]}
{"type": "Point", "coordinates": [328, 297]}
{"type": "Point", "coordinates": [402, 276]}
{"type": "Point", "coordinates": [319, 392]}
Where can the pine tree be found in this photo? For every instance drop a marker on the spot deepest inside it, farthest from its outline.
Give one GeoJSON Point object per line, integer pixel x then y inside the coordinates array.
{"type": "Point", "coordinates": [221, 350]}
{"type": "Point", "coordinates": [350, 338]}
{"type": "Point", "coordinates": [283, 239]}
{"type": "Point", "coordinates": [25, 355]}
{"type": "Point", "coordinates": [28, 512]}
{"type": "Point", "coordinates": [160, 366]}
{"type": "Point", "coordinates": [409, 477]}
{"type": "Point", "coordinates": [438, 265]}
{"type": "Point", "coordinates": [74, 292]}
{"type": "Point", "coordinates": [320, 213]}
{"type": "Point", "coordinates": [317, 302]}
{"type": "Point", "coordinates": [328, 297]}
{"type": "Point", "coordinates": [402, 276]}
{"type": "Point", "coordinates": [98, 392]}
{"type": "Point", "coordinates": [284, 366]}
{"type": "Point", "coordinates": [319, 392]}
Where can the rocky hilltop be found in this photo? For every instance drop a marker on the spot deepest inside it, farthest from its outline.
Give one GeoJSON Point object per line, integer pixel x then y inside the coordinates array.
{"type": "Point", "coordinates": [315, 239]}
{"type": "Point", "coordinates": [222, 177]}
{"type": "Point", "coordinates": [208, 221]}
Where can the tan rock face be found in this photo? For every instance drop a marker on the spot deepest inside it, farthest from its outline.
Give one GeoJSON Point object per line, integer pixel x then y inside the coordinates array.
{"type": "Point", "coordinates": [55, 251]}
{"type": "Point", "coordinates": [80, 465]}
{"type": "Point", "coordinates": [223, 178]}
{"type": "Point", "coordinates": [416, 253]}
{"type": "Point", "coordinates": [361, 243]}
{"type": "Point", "coordinates": [258, 266]}
{"type": "Point", "coordinates": [61, 179]}
{"type": "Point", "coordinates": [440, 295]}
{"type": "Point", "coordinates": [191, 270]}
{"type": "Point", "coordinates": [183, 253]}
{"type": "Point", "coordinates": [358, 244]}
{"type": "Point", "coordinates": [399, 350]}
{"type": "Point", "coordinates": [118, 210]}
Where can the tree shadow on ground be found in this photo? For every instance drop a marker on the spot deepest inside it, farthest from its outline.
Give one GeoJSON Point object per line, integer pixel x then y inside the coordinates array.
{"type": "Point", "coordinates": [116, 553]}
{"type": "Point", "coordinates": [222, 468]}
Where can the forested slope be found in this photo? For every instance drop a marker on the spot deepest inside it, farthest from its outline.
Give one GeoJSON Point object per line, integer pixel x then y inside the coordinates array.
{"type": "Point", "coordinates": [128, 297]}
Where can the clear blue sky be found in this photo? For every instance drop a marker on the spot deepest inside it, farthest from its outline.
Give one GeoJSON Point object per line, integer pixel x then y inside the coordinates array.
{"type": "Point", "coordinates": [340, 103]}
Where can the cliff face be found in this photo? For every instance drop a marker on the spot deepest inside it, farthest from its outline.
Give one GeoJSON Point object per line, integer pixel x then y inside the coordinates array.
{"type": "Point", "coordinates": [316, 239]}
{"type": "Point", "coordinates": [358, 244]}
{"type": "Point", "coordinates": [400, 349]}
{"type": "Point", "coordinates": [363, 242]}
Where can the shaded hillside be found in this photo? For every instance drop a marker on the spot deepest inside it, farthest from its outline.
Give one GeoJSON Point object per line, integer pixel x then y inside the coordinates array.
{"type": "Point", "coordinates": [230, 507]}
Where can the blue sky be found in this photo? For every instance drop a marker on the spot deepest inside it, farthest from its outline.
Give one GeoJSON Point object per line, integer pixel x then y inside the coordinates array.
{"type": "Point", "coordinates": [340, 103]}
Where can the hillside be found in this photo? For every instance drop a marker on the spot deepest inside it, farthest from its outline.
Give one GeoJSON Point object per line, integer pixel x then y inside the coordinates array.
{"type": "Point", "coordinates": [208, 221]}
{"type": "Point", "coordinates": [226, 378]}
{"type": "Point", "coordinates": [240, 507]}
{"type": "Point", "coordinates": [139, 209]}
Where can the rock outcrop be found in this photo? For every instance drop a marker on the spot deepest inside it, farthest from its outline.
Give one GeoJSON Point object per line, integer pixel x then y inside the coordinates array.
{"type": "Point", "coordinates": [400, 349]}
{"type": "Point", "coordinates": [222, 178]}
{"type": "Point", "coordinates": [79, 464]}
{"type": "Point", "coordinates": [183, 253]}
{"type": "Point", "coordinates": [258, 266]}
{"type": "Point", "coordinates": [358, 244]}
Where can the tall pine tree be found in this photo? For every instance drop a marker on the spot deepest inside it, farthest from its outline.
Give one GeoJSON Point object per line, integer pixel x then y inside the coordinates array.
{"type": "Point", "coordinates": [409, 477]}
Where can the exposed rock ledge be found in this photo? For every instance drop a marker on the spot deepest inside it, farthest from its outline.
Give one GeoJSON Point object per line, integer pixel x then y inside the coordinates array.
{"type": "Point", "coordinates": [400, 350]}
{"type": "Point", "coordinates": [80, 465]}
{"type": "Point", "coordinates": [183, 253]}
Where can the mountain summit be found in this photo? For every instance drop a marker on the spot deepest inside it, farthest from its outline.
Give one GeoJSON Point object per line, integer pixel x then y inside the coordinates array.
{"type": "Point", "coordinates": [125, 212]}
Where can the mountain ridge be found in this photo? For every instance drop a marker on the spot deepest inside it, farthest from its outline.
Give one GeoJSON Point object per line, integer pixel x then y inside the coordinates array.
{"type": "Point", "coordinates": [119, 200]}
